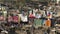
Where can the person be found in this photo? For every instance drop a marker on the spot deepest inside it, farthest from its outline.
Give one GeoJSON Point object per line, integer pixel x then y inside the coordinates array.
{"type": "Point", "coordinates": [49, 14]}
{"type": "Point", "coordinates": [24, 19]}
{"type": "Point", "coordinates": [15, 19]}
{"type": "Point", "coordinates": [31, 13]}
{"type": "Point", "coordinates": [53, 22]}
{"type": "Point", "coordinates": [1, 22]}
{"type": "Point", "coordinates": [38, 14]}
{"type": "Point", "coordinates": [1, 18]}
{"type": "Point", "coordinates": [48, 30]}
{"type": "Point", "coordinates": [10, 19]}
{"type": "Point", "coordinates": [34, 11]}
{"type": "Point", "coordinates": [48, 23]}
{"type": "Point", "coordinates": [31, 16]}
{"type": "Point", "coordinates": [12, 30]}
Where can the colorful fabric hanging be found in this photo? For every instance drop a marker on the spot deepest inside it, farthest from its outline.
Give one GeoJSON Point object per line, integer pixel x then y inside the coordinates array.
{"type": "Point", "coordinates": [23, 18]}
{"type": "Point", "coordinates": [31, 16]}
{"type": "Point", "coordinates": [10, 18]}
{"type": "Point", "coordinates": [15, 18]}
{"type": "Point", "coordinates": [1, 18]}
{"type": "Point", "coordinates": [48, 23]}
{"type": "Point", "coordinates": [37, 22]}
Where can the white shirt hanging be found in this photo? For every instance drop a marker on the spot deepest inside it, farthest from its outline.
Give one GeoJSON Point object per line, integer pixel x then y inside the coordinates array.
{"type": "Point", "coordinates": [38, 16]}
{"type": "Point", "coordinates": [23, 18]}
